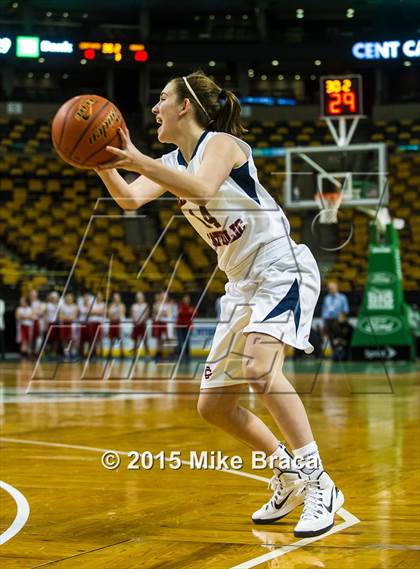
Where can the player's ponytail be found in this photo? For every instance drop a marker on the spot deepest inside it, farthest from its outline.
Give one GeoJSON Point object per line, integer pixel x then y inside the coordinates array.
{"type": "Point", "coordinates": [215, 108]}
{"type": "Point", "coordinates": [228, 117]}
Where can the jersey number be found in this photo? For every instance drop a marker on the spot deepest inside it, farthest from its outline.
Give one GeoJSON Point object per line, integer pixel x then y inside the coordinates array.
{"type": "Point", "coordinates": [206, 218]}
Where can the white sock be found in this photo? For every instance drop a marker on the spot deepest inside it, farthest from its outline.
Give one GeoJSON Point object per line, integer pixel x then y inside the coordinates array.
{"type": "Point", "coordinates": [281, 460]}
{"type": "Point", "coordinates": [307, 458]}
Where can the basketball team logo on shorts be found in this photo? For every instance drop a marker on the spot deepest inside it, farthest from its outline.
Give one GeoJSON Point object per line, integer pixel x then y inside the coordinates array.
{"type": "Point", "coordinates": [208, 372]}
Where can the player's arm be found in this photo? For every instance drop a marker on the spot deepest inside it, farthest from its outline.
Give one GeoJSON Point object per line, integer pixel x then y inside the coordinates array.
{"type": "Point", "coordinates": [130, 196]}
{"type": "Point", "coordinates": [220, 156]}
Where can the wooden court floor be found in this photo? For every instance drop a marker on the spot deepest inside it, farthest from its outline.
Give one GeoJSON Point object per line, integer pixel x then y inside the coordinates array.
{"type": "Point", "coordinates": [56, 426]}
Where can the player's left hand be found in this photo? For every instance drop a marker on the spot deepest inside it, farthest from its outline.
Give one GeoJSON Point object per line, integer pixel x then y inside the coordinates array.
{"type": "Point", "coordinates": [128, 157]}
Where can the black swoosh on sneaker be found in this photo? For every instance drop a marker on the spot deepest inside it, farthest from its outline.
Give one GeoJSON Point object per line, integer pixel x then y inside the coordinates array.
{"type": "Point", "coordinates": [329, 508]}
{"type": "Point", "coordinates": [283, 501]}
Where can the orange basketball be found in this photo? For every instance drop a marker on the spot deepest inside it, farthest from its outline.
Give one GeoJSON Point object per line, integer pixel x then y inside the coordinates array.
{"type": "Point", "coordinates": [83, 127]}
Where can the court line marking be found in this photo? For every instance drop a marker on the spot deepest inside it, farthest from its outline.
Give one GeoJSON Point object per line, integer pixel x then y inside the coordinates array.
{"type": "Point", "coordinates": [29, 399]}
{"type": "Point", "coordinates": [349, 518]}
{"type": "Point", "coordinates": [22, 512]}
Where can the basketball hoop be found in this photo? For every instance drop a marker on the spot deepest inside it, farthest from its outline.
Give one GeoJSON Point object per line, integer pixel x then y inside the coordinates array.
{"type": "Point", "coordinates": [328, 203]}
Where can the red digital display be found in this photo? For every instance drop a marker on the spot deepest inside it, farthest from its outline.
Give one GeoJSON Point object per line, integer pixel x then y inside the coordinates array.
{"type": "Point", "coordinates": [341, 96]}
{"type": "Point", "coordinates": [141, 55]}
{"type": "Point", "coordinates": [89, 54]}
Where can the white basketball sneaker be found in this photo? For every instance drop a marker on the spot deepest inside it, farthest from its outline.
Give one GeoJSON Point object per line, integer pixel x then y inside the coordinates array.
{"type": "Point", "coordinates": [289, 487]}
{"type": "Point", "coordinates": [322, 500]}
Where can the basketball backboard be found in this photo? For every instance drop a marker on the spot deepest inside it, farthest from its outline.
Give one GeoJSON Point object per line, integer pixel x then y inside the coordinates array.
{"type": "Point", "coordinates": [357, 171]}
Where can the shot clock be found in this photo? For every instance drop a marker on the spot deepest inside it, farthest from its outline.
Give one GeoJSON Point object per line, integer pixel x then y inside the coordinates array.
{"type": "Point", "coordinates": [341, 96]}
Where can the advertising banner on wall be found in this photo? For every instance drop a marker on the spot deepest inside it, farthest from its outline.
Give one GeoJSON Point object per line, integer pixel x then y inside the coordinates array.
{"type": "Point", "coordinates": [383, 331]}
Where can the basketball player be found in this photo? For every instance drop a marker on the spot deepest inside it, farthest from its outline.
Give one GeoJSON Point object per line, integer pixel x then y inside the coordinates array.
{"type": "Point", "coordinates": [116, 314]}
{"type": "Point", "coordinates": [184, 324]}
{"type": "Point", "coordinates": [139, 314]}
{"type": "Point", "coordinates": [161, 313]}
{"type": "Point", "coordinates": [95, 321]}
{"type": "Point", "coordinates": [24, 326]}
{"type": "Point", "coordinates": [38, 310]}
{"type": "Point", "coordinates": [172, 318]}
{"type": "Point", "coordinates": [271, 293]}
{"type": "Point", "coordinates": [51, 323]}
{"type": "Point", "coordinates": [67, 315]}
{"type": "Point", "coordinates": [84, 305]}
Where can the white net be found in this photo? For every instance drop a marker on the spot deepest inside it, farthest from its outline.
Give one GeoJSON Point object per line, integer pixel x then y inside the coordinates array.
{"type": "Point", "coordinates": [328, 204]}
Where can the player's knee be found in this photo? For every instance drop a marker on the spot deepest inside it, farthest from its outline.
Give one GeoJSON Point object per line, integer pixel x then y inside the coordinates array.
{"type": "Point", "coordinates": [205, 408]}
{"type": "Point", "coordinates": [210, 409]}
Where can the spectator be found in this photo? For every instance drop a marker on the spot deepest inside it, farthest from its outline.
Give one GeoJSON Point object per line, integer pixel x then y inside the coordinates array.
{"type": "Point", "coordinates": [139, 314]}
{"type": "Point", "coordinates": [341, 334]}
{"type": "Point", "coordinates": [333, 304]}
{"type": "Point", "coordinates": [24, 324]}
{"type": "Point", "coordinates": [2, 311]}
{"type": "Point", "coordinates": [184, 325]}
{"type": "Point", "coordinates": [315, 338]}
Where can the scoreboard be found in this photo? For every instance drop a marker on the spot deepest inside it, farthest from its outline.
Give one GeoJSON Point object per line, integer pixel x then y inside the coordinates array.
{"type": "Point", "coordinates": [341, 96]}
{"type": "Point", "coordinates": [61, 49]}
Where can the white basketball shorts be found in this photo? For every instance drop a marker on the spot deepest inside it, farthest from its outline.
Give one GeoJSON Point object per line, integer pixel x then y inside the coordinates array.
{"type": "Point", "coordinates": [277, 298]}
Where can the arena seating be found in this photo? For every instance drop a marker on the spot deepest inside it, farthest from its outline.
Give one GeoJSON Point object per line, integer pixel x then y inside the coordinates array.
{"type": "Point", "coordinates": [47, 205]}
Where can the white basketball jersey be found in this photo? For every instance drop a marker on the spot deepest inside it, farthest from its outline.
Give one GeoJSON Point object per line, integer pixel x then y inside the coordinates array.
{"type": "Point", "coordinates": [51, 311]}
{"type": "Point", "coordinates": [36, 308]}
{"type": "Point", "coordinates": [114, 312]}
{"type": "Point", "coordinates": [68, 312]}
{"type": "Point", "coordinates": [99, 308]}
{"type": "Point", "coordinates": [25, 315]}
{"type": "Point", "coordinates": [138, 312]}
{"type": "Point", "coordinates": [83, 312]}
{"type": "Point", "coordinates": [241, 217]}
{"type": "Point", "coordinates": [161, 311]}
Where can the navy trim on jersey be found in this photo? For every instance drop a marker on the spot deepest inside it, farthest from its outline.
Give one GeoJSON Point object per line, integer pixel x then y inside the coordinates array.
{"type": "Point", "coordinates": [290, 302]}
{"type": "Point", "coordinates": [181, 159]}
{"type": "Point", "coordinates": [245, 181]}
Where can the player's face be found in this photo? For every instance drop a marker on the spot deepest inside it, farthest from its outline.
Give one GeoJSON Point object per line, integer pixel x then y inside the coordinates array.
{"type": "Point", "coordinates": [166, 112]}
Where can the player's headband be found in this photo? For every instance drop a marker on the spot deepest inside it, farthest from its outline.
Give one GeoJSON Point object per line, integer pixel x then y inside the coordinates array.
{"type": "Point", "coordinates": [191, 90]}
